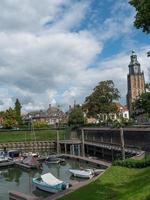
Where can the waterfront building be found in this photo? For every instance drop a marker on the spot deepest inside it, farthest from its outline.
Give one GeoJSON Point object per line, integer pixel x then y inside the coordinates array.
{"type": "Point", "coordinates": [51, 116]}
{"type": "Point", "coordinates": [122, 112]}
{"type": "Point", "coordinates": [135, 81]}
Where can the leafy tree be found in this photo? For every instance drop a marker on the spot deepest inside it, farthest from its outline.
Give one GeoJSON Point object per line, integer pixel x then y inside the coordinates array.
{"type": "Point", "coordinates": [18, 111]}
{"type": "Point", "coordinates": [101, 100]}
{"type": "Point", "coordinates": [142, 105]}
{"type": "Point", "coordinates": [147, 86]}
{"type": "Point", "coordinates": [76, 116]}
{"type": "Point", "coordinates": [142, 18]}
{"type": "Point", "coordinates": [10, 118]}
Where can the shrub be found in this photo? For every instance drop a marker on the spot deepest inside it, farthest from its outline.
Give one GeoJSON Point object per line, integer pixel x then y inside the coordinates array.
{"type": "Point", "coordinates": [131, 163]}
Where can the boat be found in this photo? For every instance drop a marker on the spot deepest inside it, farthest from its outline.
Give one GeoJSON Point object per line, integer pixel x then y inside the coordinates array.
{"type": "Point", "coordinates": [54, 159]}
{"type": "Point", "coordinates": [48, 182]}
{"type": "Point", "coordinates": [86, 173]}
{"type": "Point", "coordinates": [32, 162]}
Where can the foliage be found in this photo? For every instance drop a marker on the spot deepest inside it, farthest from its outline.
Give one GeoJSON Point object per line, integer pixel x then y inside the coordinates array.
{"type": "Point", "coordinates": [41, 125]}
{"type": "Point", "coordinates": [142, 18]}
{"type": "Point", "coordinates": [9, 118]}
{"type": "Point", "coordinates": [147, 87]}
{"type": "Point", "coordinates": [122, 122]}
{"type": "Point", "coordinates": [76, 116]}
{"type": "Point", "coordinates": [18, 111]}
{"type": "Point", "coordinates": [142, 105]}
{"type": "Point", "coordinates": [101, 100]}
{"type": "Point", "coordinates": [117, 183]}
{"type": "Point", "coordinates": [131, 163]}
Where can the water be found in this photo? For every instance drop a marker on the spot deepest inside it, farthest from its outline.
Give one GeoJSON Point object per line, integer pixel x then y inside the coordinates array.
{"type": "Point", "coordinates": [15, 179]}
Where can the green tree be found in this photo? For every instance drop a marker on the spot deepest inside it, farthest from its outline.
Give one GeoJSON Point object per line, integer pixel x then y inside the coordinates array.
{"type": "Point", "coordinates": [142, 18]}
{"type": "Point", "coordinates": [142, 105]}
{"type": "Point", "coordinates": [101, 100]}
{"type": "Point", "coordinates": [76, 116]}
{"type": "Point", "coordinates": [18, 111]}
{"type": "Point", "coordinates": [10, 118]}
{"type": "Point", "coordinates": [147, 86]}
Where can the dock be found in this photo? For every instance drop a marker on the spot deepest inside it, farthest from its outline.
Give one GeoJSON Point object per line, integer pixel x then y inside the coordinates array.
{"type": "Point", "coordinates": [88, 160]}
{"type": "Point", "coordinates": [21, 196]}
{"type": "Point", "coordinates": [23, 166]}
{"type": "Point", "coordinates": [6, 164]}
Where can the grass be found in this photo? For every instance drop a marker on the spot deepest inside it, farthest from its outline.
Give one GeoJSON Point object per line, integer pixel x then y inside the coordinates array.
{"type": "Point", "coordinates": [21, 136]}
{"type": "Point", "coordinates": [117, 183]}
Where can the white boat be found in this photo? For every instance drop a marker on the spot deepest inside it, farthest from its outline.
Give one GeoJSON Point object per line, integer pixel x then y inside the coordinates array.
{"type": "Point", "coordinates": [5, 159]}
{"type": "Point", "coordinates": [86, 173]}
{"type": "Point", "coordinates": [50, 183]}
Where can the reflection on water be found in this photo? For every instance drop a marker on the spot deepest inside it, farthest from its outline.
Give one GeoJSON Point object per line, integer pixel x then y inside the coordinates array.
{"type": "Point", "coordinates": [15, 179]}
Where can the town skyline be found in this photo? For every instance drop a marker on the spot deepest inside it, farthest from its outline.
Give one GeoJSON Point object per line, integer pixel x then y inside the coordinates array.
{"type": "Point", "coordinates": [55, 53]}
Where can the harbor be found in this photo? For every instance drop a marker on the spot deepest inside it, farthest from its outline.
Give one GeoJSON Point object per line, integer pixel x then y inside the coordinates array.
{"type": "Point", "coordinates": [19, 179]}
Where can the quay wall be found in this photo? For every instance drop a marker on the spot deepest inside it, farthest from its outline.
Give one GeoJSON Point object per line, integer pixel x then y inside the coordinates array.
{"type": "Point", "coordinates": [138, 138]}
{"type": "Point", "coordinates": [47, 146]}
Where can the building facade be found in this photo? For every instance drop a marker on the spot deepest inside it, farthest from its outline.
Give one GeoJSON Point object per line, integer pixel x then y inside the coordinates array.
{"type": "Point", "coordinates": [135, 81]}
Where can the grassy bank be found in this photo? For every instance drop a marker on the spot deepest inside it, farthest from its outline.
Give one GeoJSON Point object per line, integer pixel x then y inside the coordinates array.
{"type": "Point", "coordinates": [117, 183]}
{"type": "Point", "coordinates": [18, 136]}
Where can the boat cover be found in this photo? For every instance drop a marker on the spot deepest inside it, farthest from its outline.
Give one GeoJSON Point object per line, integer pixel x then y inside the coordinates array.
{"type": "Point", "coordinates": [50, 179]}
{"type": "Point", "coordinates": [30, 160]}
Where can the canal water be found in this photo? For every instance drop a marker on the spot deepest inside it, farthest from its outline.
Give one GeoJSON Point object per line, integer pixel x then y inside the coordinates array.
{"type": "Point", "coordinates": [15, 179]}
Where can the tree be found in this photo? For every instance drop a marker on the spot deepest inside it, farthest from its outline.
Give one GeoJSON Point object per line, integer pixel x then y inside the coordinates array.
{"type": "Point", "coordinates": [142, 18]}
{"type": "Point", "coordinates": [10, 118]}
{"type": "Point", "coordinates": [101, 100]}
{"type": "Point", "coordinates": [18, 111]}
{"type": "Point", "coordinates": [76, 116]}
{"type": "Point", "coordinates": [147, 86]}
{"type": "Point", "coordinates": [142, 105]}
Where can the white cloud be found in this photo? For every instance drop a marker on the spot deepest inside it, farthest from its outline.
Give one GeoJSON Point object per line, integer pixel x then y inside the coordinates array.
{"type": "Point", "coordinates": [43, 61]}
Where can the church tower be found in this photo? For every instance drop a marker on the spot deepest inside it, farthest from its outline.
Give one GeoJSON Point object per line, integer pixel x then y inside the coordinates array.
{"type": "Point", "coordinates": [135, 81]}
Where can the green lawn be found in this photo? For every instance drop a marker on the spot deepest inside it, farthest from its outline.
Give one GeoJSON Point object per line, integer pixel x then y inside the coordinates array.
{"type": "Point", "coordinates": [117, 183]}
{"type": "Point", "coordinates": [18, 136]}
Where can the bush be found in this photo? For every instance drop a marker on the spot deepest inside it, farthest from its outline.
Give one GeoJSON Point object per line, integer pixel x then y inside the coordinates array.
{"type": "Point", "coordinates": [131, 163]}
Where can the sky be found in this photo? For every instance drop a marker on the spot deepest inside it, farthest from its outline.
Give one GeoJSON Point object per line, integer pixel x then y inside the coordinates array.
{"type": "Point", "coordinates": [56, 51]}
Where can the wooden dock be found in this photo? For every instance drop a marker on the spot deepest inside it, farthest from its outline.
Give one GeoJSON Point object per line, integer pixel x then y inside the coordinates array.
{"type": "Point", "coordinates": [88, 160]}
{"type": "Point", "coordinates": [6, 164]}
{"type": "Point", "coordinates": [21, 196]}
{"type": "Point", "coordinates": [23, 166]}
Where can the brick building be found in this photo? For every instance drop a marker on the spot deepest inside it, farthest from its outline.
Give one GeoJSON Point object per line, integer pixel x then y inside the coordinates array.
{"type": "Point", "coordinates": [135, 81]}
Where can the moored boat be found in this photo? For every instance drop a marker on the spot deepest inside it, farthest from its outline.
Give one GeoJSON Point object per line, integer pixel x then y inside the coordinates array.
{"type": "Point", "coordinates": [32, 162]}
{"type": "Point", "coordinates": [50, 183]}
{"type": "Point", "coordinates": [86, 173]}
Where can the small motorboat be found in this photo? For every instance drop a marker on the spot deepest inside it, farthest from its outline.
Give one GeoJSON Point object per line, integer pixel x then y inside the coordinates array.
{"type": "Point", "coordinates": [50, 183]}
{"type": "Point", "coordinates": [86, 173]}
{"type": "Point", "coordinates": [32, 162]}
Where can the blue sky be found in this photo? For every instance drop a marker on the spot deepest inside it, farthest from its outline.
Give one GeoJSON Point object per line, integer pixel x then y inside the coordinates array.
{"type": "Point", "coordinates": [57, 52]}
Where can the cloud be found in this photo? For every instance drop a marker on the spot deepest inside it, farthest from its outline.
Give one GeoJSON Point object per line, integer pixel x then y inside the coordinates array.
{"type": "Point", "coordinates": [48, 55]}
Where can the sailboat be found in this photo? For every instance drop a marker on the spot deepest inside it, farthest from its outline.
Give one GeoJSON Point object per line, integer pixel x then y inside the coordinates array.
{"type": "Point", "coordinates": [33, 136]}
